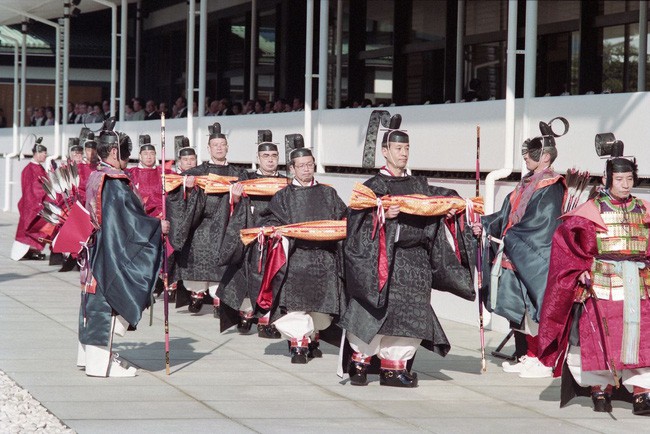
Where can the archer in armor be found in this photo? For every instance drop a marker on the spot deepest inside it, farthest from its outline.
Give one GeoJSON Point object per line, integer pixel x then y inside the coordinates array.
{"type": "Point", "coordinates": [518, 247]}
{"type": "Point", "coordinates": [596, 312]}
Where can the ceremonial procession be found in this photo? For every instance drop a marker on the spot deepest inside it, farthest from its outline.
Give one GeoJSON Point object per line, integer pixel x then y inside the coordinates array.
{"type": "Point", "coordinates": [438, 224]}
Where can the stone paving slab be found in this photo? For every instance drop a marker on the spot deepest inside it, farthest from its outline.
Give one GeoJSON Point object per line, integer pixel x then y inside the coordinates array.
{"type": "Point", "coordinates": [229, 383]}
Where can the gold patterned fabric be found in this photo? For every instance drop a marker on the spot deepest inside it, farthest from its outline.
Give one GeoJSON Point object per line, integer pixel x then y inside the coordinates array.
{"type": "Point", "coordinates": [626, 234]}
{"type": "Point", "coordinates": [320, 230]}
{"type": "Point", "coordinates": [211, 183]}
{"type": "Point", "coordinates": [415, 204]}
{"type": "Point", "coordinates": [608, 285]}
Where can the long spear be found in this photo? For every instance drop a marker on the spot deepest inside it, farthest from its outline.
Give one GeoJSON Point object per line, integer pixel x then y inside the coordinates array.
{"type": "Point", "coordinates": [164, 241]}
{"type": "Point", "coordinates": [479, 253]}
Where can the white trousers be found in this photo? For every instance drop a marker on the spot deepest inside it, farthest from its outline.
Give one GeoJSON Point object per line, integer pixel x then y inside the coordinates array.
{"type": "Point", "coordinates": [202, 286]}
{"type": "Point", "coordinates": [299, 325]}
{"type": "Point", "coordinates": [631, 377]}
{"type": "Point", "coordinates": [97, 359]}
{"type": "Point", "coordinates": [385, 347]}
{"type": "Point", "coordinates": [246, 306]}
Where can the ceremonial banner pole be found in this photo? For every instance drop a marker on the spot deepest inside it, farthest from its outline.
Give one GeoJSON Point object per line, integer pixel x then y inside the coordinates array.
{"type": "Point", "coordinates": [164, 240]}
{"type": "Point", "coordinates": [479, 260]}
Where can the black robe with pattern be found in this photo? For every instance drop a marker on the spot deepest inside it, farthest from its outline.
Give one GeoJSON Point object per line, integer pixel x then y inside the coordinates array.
{"type": "Point", "coordinates": [403, 307]}
{"type": "Point", "coordinates": [198, 224]}
{"type": "Point", "coordinates": [312, 279]}
{"type": "Point", "coordinates": [242, 277]}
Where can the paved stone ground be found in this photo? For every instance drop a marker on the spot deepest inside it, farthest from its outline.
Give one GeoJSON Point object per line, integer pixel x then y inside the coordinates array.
{"type": "Point", "coordinates": [230, 383]}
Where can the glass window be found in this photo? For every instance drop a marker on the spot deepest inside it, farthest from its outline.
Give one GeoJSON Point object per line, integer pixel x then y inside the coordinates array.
{"type": "Point", "coordinates": [379, 80]}
{"type": "Point", "coordinates": [555, 11]}
{"type": "Point", "coordinates": [485, 16]}
{"type": "Point", "coordinates": [379, 24]}
{"type": "Point", "coordinates": [429, 19]}
{"type": "Point", "coordinates": [486, 62]}
{"type": "Point", "coordinates": [618, 6]}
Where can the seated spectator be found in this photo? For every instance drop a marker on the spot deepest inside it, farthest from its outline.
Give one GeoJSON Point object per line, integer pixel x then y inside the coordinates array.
{"type": "Point", "coordinates": [49, 115]}
{"type": "Point", "coordinates": [138, 110]}
{"type": "Point", "coordinates": [260, 105]}
{"type": "Point", "coordinates": [237, 108]}
{"type": "Point", "coordinates": [3, 119]}
{"type": "Point", "coordinates": [150, 111]}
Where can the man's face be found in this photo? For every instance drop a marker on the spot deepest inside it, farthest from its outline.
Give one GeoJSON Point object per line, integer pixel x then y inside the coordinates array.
{"type": "Point", "coordinates": [148, 158]}
{"type": "Point", "coordinates": [106, 106]}
{"type": "Point", "coordinates": [151, 107]}
{"type": "Point", "coordinates": [40, 157]}
{"type": "Point", "coordinates": [91, 154]}
{"type": "Point", "coordinates": [136, 105]}
{"type": "Point", "coordinates": [218, 149]}
{"type": "Point", "coordinates": [303, 169]}
{"type": "Point", "coordinates": [179, 103]}
{"type": "Point", "coordinates": [396, 155]}
{"type": "Point", "coordinates": [622, 184]}
{"type": "Point", "coordinates": [268, 161]}
{"type": "Point", "coordinates": [186, 162]}
{"type": "Point", "coordinates": [531, 164]}
{"type": "Point", "coordinates": [214, 106]}
{"type": "Point", "coordinates": [76, 156]}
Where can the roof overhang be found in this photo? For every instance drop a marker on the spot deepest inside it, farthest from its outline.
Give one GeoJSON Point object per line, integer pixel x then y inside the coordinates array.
{"type": "Point", "coordinates": [46, 9]}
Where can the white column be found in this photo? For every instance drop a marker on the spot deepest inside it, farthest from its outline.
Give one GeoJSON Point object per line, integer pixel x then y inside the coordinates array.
{"type": "Point", "coordinates": [123, 39]}
{"type": "Point", "coordinates": [138, 37]}
{"type": "Point", "coordinates": [16, 120]}
{"type": "Point", "coordinates": [322, 78]}
{"type": "Point", "coordinates": [510, 110]}
{"type": "Point", "coordinates": [203, 49]}
{"type": "Point", "coordinates": [191, 22]}
{"type": "Point", "coordinates": [309, 42]}
{"type": "Point", "coordinates": [113, 7]}
{"type": "Point", "coordinates": [643, 44]}
{"type": "Point", "coordinates": [530, 62]}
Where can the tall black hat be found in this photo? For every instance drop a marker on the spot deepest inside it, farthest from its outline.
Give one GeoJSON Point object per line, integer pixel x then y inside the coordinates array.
{"type": "Point", "coordinates": [215, 131]}
{"type": "Point", "coordinates": [109, 139]}
{"type": "Point", "coordinates": [300, 152]}
{"type": "Point", "coordinates": [265, 141]}
{"type": "Point", "coordinates": [535, 146]}
{"type": "Point", "coordinates": [38, 147]}
{"type": "Point", "coordinates": [145, 143]}
{"type": "Point", "coordinates": [292, 142]}
{"type": "Point", "coordinates": [182, 146]}
{"type": "Point", "coordinates": [394, 134]}
{"type": "Point", "coordinates": [607, 146]}
{"type": "Point", "coordinates": [74, 146]}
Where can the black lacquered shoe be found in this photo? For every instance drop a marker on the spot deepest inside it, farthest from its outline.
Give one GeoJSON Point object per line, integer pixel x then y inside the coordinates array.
{"type": "Point", "coordinates": [358, 373]}
{"type": "Point", "coordinates": [195, 304]}
{"type": "Point", "coordinates": [244, 325]}
{"type": "Point", "coordinates": [602, 402]}
{"type": "Point", "coordinates": [398, 378]}
{"type": "Point", "coordinates": [299, 355]}
{"type": "Point", "coordinates": [268, 332]}
{"type": "Point", "coordinates": [641, 405]}
{"type": "Point", "coordinates": [314, 351]}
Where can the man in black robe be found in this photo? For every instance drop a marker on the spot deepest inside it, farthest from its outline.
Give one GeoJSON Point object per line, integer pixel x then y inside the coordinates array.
{"type": "Point", "coordinates": [310, 293]}
{"type": "Point", "coordinates": [241, 282]}
{"type": "Point", "coordinates": [121, 263]}
{"type": "Point", "coordinates": [198, 224]}
{"type": "Point", "coordinates": [389, 291]}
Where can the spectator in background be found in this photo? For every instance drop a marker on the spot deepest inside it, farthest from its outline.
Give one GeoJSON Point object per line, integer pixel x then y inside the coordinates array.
{"type": "Point", "coordinates": [150, 111]}
{"type": "Point", "coordinates": [249, 108]}
{"type": "Point", "coordinates": [71, 114]}
{"type": "Point", "coordinates": [162, 108]}
{"type": "Point", "coordinates": [473, 92]}
{"type": "Point", "coordinates": [95, 114]}
{"type": "Point", "coordinates": [3, 119]}
{"type": "Point", "coordinates": [213, 108]}
{"type": "Point", "coordinates": [138, 110]}
{"type": "Point", "coordinates": [237, 108]}
{"type": "Point", "coordinates": [278, 106]}
{"type": "Point", "coordinates": [180, 107]}
{"type": "Point", "coordinates": [49, 115]}
{"type": "Point", "coordinates": [106, 107]}
{"type": "Point", "coordinates": [260, 105]}
{"type": "Point", "coordinates": [224, 104]}
{"type": "Point", "coordinates": [128, 111]}
{"type": "Point", "coordinates": [38, 117]}
{"type": "Point", "coordinates": [297, 105]}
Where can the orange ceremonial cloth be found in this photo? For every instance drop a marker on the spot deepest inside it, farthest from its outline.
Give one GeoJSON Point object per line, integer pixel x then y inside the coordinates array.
{"type": "Point", "coordinates": [221, 184]}
{"type": "Point", "coordinates": [319, 230]}
{"type": "Point", "coordinates": [415, 204]}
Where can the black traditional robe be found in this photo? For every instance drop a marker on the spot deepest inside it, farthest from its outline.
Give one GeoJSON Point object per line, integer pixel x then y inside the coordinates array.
{"type": "Point", "coordinates": [243, 276]}
{"type": "Point", "coordinates": [124, 256]}
{"type": "Point", "coordinates": [198, 224]}
{"type": "Point", "coordinates": [402, 307]}
{"type": "Point", "coordinates": [313, 277]}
